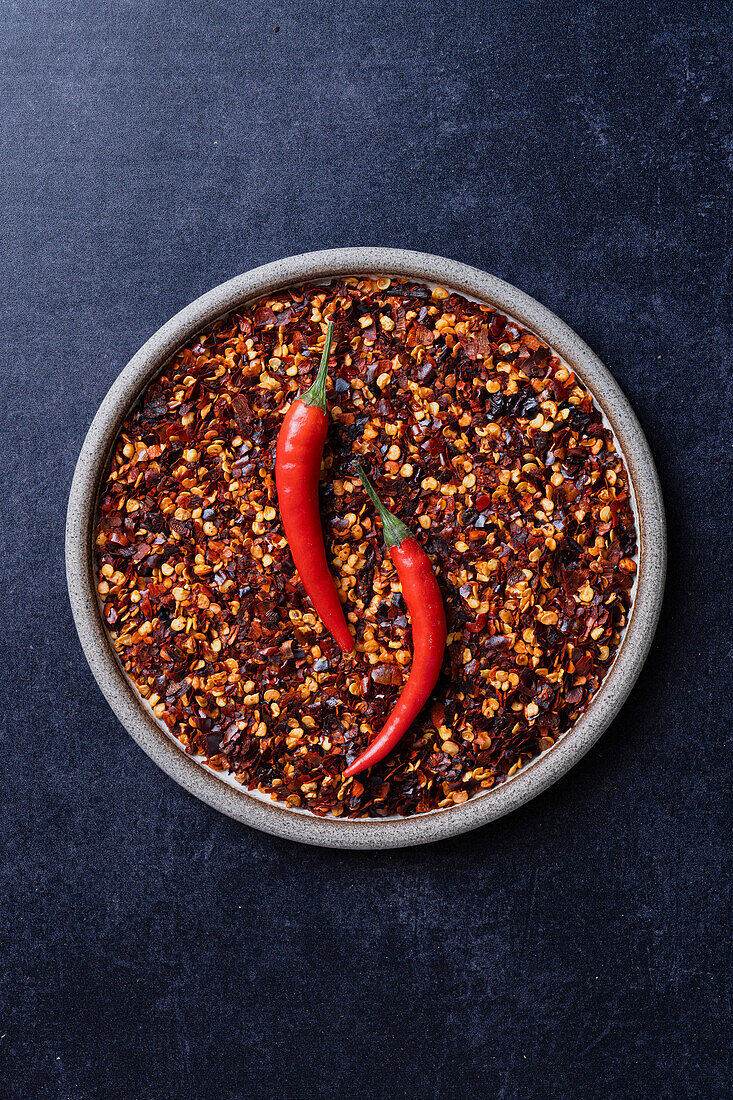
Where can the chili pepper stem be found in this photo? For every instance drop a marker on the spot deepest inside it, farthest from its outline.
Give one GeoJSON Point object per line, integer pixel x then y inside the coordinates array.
{"type": "Point", "coordinates": [316, 395]}
{"type": "Point", "coordinates": [394, 530]}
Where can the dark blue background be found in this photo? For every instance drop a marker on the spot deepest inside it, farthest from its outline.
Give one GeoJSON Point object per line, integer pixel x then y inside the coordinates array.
{"type": "Point", "coordinates": [150, 947]}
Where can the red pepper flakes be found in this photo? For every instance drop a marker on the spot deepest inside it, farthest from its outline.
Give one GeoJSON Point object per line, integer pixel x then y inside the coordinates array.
{"type": "Point", "coordinates": [485, 439]}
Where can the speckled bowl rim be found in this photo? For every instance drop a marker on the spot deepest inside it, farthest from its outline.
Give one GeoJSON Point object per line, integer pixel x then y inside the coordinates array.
{"type": "Point", "coordinates": [270, 817]}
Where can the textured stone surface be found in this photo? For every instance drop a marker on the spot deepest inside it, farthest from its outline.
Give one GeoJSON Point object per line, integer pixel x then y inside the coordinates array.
{"type": "Point", "coordinates": [155, 948]}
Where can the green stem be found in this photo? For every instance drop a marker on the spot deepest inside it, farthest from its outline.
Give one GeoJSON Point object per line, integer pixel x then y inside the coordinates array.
{"type": "Point", "coordinates": [316, 395]}
{"type": "Point", "coordinates": [395, 531]}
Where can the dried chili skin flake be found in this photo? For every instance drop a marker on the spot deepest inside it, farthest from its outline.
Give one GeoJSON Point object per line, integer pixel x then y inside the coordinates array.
{"type": "Point", "coordinates": [479, 437]}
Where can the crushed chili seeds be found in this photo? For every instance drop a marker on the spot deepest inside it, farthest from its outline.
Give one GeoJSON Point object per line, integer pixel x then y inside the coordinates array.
{"type": "Point", "coordinates": [478, 436]}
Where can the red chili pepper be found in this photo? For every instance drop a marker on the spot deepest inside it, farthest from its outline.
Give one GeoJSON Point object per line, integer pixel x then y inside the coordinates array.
{"type": "Point", "coordinates": [425, 604]}
{"type": "Point", "coordinates": [297, 468]}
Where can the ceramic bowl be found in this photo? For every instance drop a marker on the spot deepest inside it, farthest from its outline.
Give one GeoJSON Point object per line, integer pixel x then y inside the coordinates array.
{"type": "Point", "coordinates": [225, 794]}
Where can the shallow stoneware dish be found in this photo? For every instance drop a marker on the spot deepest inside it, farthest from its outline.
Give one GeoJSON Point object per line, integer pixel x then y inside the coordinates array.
{"type": "Point", "coordinates": [225, 794]}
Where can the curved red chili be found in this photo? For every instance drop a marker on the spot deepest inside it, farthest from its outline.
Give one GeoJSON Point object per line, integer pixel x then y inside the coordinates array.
{"type": "Point", "coordinates": [297, 469]}
{"type": "Point", "coordinates": [425, 604]}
